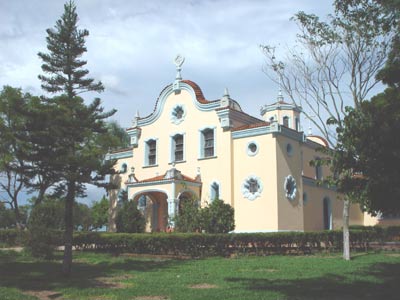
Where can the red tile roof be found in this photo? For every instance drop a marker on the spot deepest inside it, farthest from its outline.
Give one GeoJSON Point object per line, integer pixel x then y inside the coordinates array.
{"type": "Point", "coordinates": [162, 178]}
{"type": "Point", "coordinates": [121, 150]}
{"type": "Point", "coordinates": [198, 92]}
{"type": "Point", "coordinates": [253, 125]}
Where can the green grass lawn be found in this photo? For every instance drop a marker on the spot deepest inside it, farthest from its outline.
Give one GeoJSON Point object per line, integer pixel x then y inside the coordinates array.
{"type": "Point", "coordinates": [103, 276]}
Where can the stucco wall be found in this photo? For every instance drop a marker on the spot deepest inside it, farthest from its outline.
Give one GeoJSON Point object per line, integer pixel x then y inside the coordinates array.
{"type": "Point", "coordinates": [259, 214]}
{"type": "Point", "coordinates": [290, 212]}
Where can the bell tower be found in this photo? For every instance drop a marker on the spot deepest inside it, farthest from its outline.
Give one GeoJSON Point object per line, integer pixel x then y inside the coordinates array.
{"type": "Point", "coordinates": [284, 113]}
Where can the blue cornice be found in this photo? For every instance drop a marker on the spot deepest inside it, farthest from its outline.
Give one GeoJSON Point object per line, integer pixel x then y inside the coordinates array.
{"type": "Point", "coordinates": [120, 155]}
{"type": "Point", "coordinates": [163, 181]}
{"type": "Point", "coordinates": [273, 128]}
{"type": "Point", "coordinates": [280, 106]}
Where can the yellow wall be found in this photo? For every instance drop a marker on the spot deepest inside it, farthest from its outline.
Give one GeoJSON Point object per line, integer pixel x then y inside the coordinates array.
{"type": "Point", "coordinates": [290, 212]}
{"type": "Point", "coordinates": [259, 214]}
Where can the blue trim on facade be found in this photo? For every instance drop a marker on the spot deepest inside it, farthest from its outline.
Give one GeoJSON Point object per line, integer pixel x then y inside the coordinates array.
{"type": "Point", "coordinates": [120, 155]}
{"type": "Point", "coordinates": [162, 100]}
{"type": "Point", "coordinates": [164, 181]}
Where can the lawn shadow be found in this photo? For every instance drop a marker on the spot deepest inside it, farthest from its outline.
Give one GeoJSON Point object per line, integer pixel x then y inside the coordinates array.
{"type": "Point", "coordinates": [38, 275]}
{"type": "Point", "coordinates": [385, 285]}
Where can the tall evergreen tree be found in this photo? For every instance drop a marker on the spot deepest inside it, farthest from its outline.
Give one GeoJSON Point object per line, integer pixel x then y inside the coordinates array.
{"type": "Point", "coordinates": [78, 128]}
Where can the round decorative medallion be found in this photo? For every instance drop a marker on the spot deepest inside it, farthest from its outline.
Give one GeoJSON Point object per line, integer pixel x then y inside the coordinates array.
{"type": "Point", "coordinates": [290, 187]}
{"type": "Point", "coordinates": [178, 114]}
{"type": "Point", "coordinates": [252, 187]}
{"type": "Point", "coordinates": [252, 148]}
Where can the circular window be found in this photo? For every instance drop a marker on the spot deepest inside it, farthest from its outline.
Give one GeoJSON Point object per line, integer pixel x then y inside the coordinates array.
{"type": "Point", "coordinates": [178, 114]}
{"type": "Point", "coordinates": [290, 187]}
{"type": "Point", "coordinates": [289, 149]}
{"type": "Point", "coordinates": [252, 148]}
{"type": "Point", "coordinates": [252, 187]}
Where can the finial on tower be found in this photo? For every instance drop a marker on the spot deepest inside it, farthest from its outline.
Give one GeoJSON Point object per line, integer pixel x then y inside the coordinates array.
{"type": "Point", "coordinates": [225, 100]}
{"type": "Point", "coordinates": [179, 60]}
{"type": "Point", "coordinates": [136, 119]}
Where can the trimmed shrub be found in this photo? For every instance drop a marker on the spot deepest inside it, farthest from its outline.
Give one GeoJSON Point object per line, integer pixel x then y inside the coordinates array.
{"type": "Point", "coordinates": [189, 218]}
{"type": "Point", "coordinates": [218, 217]}
{"type": "Point", "coordinates": [200, 245]}
{"type": "Point", "coordinates": [129, 218]}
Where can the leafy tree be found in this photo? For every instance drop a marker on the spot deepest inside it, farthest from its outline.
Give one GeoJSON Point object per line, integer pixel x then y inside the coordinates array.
{"type": "Point", "coordinates": [333, 66]}
{"type": "Point", "coordinates": [129, 218]}
{"type": "Point", "coordinates": [80, 127]}
{"type": "Point", "coordinates": [7, 216]}
{"type": "Point", "coordinates": [99, 212]}
{"type": "Point", "coordinates": [189, 217]}
{"type": "Point", "coordinates": [12, 165]}
{"type": "Point", "coordinates": [218, 217]}
{"type": "Point", "coordinates": [368, 154]}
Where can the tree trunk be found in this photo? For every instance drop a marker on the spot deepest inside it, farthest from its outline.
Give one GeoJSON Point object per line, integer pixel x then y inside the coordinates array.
{"type": "Point", "coordinates": [69, 229]}
{"type": "Point", "coordinates": [17, 214]}
{"type": "Point", "coordinates": [346, 233]}
{"type": "Point", "coordinates": [40, 196]}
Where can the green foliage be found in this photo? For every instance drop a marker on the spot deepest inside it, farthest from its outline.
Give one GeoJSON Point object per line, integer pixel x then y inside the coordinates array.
{"type": "Point", "coordinates": [189, 218]}
{"type": "Point", "coordinates": [129, 218]}
{"type": "Point", "coordinates": [99, 213]}
{"type": "Point", "coordinates": [369, 145]}
{"type": "Point", "coordinates": [66, 44]}
{"type": "Point", "coordinates": [7, 217]}
{"type": "Point", "coordinates": [48, 214]}
{"type": "Point", "coordinates": [13, 237]}
{"type": "Point", "coordinates": [218, 217]}
{"type": "Point", "coordinates": [195, 244]}
{"type": "Point", "coordinates": [12, 147]}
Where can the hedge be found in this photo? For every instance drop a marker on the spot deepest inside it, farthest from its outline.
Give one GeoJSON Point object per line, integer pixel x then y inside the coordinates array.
{"type": "Point", "coordinates": [200, 245]}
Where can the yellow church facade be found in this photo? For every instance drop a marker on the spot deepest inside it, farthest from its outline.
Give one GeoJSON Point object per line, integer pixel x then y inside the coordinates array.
{"type": "Point", "coordinates": [193, 148]}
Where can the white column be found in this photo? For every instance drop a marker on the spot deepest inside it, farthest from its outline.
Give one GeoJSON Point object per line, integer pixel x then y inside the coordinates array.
{"type": "Point", "coordinates": [172, 205]}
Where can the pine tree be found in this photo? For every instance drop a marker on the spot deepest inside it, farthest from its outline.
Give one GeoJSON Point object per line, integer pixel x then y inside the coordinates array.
{"type": "Point", "coordinates": [77, 127]}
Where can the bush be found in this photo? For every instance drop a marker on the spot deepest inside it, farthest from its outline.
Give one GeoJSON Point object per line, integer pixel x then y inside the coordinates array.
{"type": "Point", "coordinates": [12, 237]}
{"type": "Point", "coordinates": [189, 218]}
{"type": "Point", "coordinates": [129, 218]}
{"type": "Point", "coordinates": [45, 218]}
{"type": "Point", "coordinates": [218, 217]}
{"type": "Point", "coordinates": [197, 245]}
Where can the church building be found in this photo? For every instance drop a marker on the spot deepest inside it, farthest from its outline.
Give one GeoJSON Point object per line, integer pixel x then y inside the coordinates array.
{"type": "Point", "coordinates": [193, 148]}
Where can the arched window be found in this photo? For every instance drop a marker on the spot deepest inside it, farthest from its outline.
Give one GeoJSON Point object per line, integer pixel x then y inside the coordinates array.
{"type": "Point", "coordinates": [151, 152]}
{"type": "Point", "coordinates": [124, 168]}
{"type": "Point", "coordinates": [286, 121]}
{"type": "Point", "coordinates": [327, 213]}
{"type": "Point", "coordinates": [214, 193]}
{"type": "Point", "coordinates": [178, 147]}
{"type": "Point", "coordinates": [207, 143]}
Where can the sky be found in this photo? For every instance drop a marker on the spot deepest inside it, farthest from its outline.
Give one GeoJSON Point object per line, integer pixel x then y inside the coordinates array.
{"type": "Point", "coordinates": [132, 45]}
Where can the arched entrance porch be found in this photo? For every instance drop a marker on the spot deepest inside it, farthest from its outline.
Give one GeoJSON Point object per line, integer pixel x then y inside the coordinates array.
{"type": "Point", "coordinates": [154, 206]}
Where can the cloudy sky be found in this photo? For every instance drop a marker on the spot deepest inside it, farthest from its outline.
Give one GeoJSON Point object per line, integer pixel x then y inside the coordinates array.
{"type": "Point", "coordinates": [132, 45]}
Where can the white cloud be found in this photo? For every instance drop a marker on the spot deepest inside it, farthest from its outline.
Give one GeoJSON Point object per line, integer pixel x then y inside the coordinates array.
{"type": "Point", "coordinates": [132, 44]}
